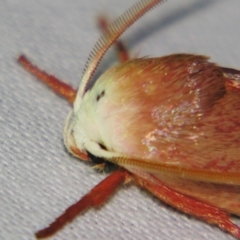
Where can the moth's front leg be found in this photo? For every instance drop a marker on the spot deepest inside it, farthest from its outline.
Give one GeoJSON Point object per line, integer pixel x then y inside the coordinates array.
{"type": "Point", "coordinates": [58, 86]}
{"type": "Point", "coordinates": [95, 198]}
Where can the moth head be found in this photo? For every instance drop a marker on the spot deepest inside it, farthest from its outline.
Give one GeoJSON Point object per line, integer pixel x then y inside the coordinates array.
{"type": "Point", "coordinates": [81, 131]}
{"type": "Point", "coordinates": [81, 134]}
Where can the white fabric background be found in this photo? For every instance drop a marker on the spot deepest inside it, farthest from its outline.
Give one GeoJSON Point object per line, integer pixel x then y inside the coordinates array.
{"type": "Point", "coordinates": [38, 178]}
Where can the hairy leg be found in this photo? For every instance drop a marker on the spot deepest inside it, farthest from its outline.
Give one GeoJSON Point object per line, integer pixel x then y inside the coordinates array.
{"type": "Point", "coordinates": [95, 198]}
{"type": "Point", "coordinates": [58, 86]}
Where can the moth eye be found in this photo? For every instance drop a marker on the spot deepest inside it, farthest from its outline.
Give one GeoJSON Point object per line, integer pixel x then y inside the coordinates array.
{"type": "Point", "coordinates": [95, 159]}
{"type": "Point", "coordinates": [108, 166]}
{"type": "Point", "coordinates": [99, 96]}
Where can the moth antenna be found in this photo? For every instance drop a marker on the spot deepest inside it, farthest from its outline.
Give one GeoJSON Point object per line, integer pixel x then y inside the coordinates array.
{"type": "Point", "coordinates": [210, 176]}
{"type": "Point", "coordinates": [112, 32]}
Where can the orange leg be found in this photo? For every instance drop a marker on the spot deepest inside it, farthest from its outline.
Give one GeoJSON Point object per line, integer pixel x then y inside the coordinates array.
{"type": "Point", "coordinates": [61, 88]}
{"type": "Point", "coordinates": [58, 86]}
{"type": "Point", "coordinates": [120, 48]}
{"type": "Point", "coordinates": [96, 197]}
{"type": "Point", "coordinates": [194, 207]}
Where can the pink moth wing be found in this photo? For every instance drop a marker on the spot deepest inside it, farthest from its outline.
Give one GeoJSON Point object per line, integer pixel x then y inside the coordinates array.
{"type": "Point", "coordinates": [183, 112]}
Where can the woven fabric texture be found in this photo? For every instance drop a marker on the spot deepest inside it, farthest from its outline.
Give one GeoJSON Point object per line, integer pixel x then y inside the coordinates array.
{"type": "Point", "coordinates": [38, 178]}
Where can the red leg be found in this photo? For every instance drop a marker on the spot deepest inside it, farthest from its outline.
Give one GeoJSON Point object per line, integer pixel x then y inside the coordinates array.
{"type": "Point", "coordinates": [194, 207]}
{"type": "Point", "coordinates": [61, 88]}
{"type": "Point", "coordinates": [120, 48]}
{"type": "Point", "coordinates": [96, 197]}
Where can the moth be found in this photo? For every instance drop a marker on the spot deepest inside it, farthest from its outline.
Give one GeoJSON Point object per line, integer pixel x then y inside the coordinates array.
{"type": "Point", "coordinates": [171, 125]}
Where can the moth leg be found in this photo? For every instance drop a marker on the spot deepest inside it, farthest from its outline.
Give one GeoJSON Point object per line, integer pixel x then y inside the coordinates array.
{"type": "Point", "coordinates": [121, 50]}
{"type": "Point", "coordinates": [95, 198]}
{"type": "Point", "coordinates": [191, 206]}
{"type": "Point", "coordinates": [58, 86]}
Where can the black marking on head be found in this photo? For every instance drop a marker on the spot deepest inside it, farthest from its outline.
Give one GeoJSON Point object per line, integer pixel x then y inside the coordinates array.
{"type": "Point", "coordinates": [108, 166]}
{"type": "Point", "coordinates": [99, 96]}
{"type": "Point", "coordinates": [94, 159]}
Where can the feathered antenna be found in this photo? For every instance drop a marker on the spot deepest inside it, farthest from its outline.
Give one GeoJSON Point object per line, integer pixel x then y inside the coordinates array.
{"type": "Point", "coordinates": [107, 39]}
